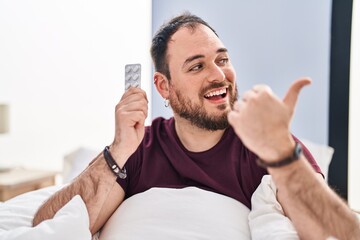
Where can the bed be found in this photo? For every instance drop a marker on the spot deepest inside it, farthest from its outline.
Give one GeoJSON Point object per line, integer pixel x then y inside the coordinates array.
{"type": "Point", "coordinates": [159, 213]}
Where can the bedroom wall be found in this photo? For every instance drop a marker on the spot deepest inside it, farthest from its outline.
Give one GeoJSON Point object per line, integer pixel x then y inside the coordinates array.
{"type": "Point", "coordinates": [272, 42]}
{"type": "Point", "coordinates": [61, 72]}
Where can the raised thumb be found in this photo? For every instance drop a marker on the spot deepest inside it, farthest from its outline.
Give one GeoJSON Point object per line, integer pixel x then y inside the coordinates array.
{"type": "Point", "coordinates": [294, 90]}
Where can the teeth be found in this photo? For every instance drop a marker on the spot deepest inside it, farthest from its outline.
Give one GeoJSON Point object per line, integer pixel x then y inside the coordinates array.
{"type": "Point", "coordinates": [216, 93]}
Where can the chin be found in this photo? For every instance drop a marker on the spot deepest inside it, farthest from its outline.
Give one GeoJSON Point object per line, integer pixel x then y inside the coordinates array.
{"type": "Point", "coordinates": [224, 107]}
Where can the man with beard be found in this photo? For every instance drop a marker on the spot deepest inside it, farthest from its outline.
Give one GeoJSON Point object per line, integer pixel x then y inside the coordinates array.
{"type": "Point", "coordinates": [197, 146]}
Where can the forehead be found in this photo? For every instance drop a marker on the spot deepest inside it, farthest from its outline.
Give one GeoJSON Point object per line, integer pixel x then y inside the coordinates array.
{"type": "Point", "coordinates": [191, 41]}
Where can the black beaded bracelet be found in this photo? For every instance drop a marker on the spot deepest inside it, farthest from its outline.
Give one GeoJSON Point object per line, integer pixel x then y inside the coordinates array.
{"type": "Point", "coordinates": [295, 156]}
{"type": "Point", "coordinates": [119, 172]}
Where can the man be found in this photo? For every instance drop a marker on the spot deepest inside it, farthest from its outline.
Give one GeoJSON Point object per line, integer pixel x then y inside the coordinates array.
{"type": "Point", "coordinates": [195, 77]}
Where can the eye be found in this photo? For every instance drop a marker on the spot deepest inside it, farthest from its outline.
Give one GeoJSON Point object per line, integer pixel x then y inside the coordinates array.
{"type": "Point", "coordinates": [223, 61]}
{"type": "Point", "coordinates": [196, 67]}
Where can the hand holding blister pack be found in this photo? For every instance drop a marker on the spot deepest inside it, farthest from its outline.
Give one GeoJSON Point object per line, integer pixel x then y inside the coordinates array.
{"type": "Point", "coordinates": [132, 76]}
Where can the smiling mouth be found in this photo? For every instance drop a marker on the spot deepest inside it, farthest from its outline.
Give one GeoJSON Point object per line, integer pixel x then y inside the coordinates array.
{"type": "Point", "coordinates": [217, 94]}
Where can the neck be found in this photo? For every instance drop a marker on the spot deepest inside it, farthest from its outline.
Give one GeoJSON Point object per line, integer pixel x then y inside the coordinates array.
{"type": "Point", "coordinates": [196, 139]}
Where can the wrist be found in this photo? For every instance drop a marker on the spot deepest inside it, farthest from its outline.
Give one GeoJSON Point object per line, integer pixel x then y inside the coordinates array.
{"type": "Point", "coordinates": [291, 156]}
{"type": "Point", "coordinates": [111, 162]}
{"type": "Point", "coordinates": [118, 154]}
{"type": "Point", "coordinates": [278, 149]}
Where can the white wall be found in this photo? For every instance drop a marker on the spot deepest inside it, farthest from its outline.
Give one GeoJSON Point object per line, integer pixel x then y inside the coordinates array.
{"type": "Point", "coordinates": [62, 72]}
{"type": "Point", "coordinates": [272, 42]}
{"type": "Point", "coordinates": [354, 111]}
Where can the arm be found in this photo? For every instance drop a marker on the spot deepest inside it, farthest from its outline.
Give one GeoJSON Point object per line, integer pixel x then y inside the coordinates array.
{"type": "Point", "coordinates": [97, 184]}
{"type": "Point", "coordinates": [315, 210]}
{"type": "Point", "coordinates": [262, 121]}
{"type": "Point", "coordinates": [98, 188]}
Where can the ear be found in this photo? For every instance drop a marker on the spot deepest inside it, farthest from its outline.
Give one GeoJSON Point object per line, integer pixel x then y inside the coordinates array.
{"type": "Point", "coordinates": [162, 84]}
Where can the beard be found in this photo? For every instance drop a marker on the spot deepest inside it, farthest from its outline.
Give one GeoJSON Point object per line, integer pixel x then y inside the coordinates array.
{"type": "Point", "coordinates": [196, 113]}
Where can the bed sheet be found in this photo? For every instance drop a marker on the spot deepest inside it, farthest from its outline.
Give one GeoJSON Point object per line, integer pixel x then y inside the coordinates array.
{"type": "Point", "coordinates": [159, 213]}
{"type": "Point", "coordinates": [70, 222]}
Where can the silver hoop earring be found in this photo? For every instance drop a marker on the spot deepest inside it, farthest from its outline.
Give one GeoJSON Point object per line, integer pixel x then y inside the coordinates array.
{"type": "Point", "coordinates": [166, 102]}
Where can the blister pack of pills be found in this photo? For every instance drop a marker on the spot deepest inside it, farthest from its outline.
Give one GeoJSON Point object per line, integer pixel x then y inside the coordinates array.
{"type": "Point", "coordinates": [132, 75]}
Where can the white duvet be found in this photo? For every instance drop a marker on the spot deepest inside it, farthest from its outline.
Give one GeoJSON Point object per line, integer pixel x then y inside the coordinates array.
{"type": "Point", "coordinates": [188, 213]}
{"type": "Point", "coordinates": [159, 213]}
{"type": "Point", "coordinates": [70, 222]}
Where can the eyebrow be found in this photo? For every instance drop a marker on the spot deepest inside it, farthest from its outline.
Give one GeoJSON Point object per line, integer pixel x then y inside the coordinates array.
{"type": "Point", "coordinates": [192, 58]}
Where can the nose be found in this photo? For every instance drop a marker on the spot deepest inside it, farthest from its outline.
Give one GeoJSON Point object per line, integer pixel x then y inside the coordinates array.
{"type": "Point", "coordinates": [216, 73]}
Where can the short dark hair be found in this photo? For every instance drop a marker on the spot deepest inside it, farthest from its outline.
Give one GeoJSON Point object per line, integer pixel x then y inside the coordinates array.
{"type": "Point", "coordinates": [161, 39]}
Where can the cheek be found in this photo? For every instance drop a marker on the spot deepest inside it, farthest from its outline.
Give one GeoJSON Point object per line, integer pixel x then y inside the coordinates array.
{"type": "Point", "coordinates": [188, 85]}
{"type": "Point", "coordinates": [183, 90]}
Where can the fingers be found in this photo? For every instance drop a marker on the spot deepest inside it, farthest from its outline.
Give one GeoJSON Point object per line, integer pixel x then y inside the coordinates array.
{"type": "Point", "coordinates": [252, 98]}
{"type": "Point", "coordinates": [134, 119]}
{"type": "Point", "coordinates": [262, 88]}
{"type": "Point", "coordinates": [262, 121]}
{"type": "Point", "coordinates": [256, 92]}
{"type": "Point", "coordinates": [232, 118]}
{"type": "Point", "coordinates": [133, 103]}
{"type": "Point", "coordinates": [248, 95]}
{"type": "Point", "coordinates": [291, 96]}
{"type": "Point", "coordinates": [132, 90]}
{"type": "Point", "coordinates": [133, 97]}
{"type": "Point", "coordinates": [237, 106]}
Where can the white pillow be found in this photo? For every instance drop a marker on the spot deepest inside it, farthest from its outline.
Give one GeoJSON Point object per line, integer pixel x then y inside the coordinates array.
{"type": "Point", "coordinates": [70, 222]}
{"type": "Point", "coordinates": [19, 211]}
{"type": "Point", "coordinates": [188, 213]}
{"type": "Point", "coordinates": [322, 154]}
{"type": "Point", "coordinates": [266, 219]}
{"type": "Point", "coordinates": [75, 162]}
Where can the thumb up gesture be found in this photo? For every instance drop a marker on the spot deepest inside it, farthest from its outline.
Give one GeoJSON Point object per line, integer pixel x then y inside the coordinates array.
{"type": "Point", "coordinates": [262, 120]}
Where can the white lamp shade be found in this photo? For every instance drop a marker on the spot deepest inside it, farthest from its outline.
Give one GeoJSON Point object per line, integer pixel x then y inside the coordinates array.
{"type": "Point", "coordinates": [4, 118]}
